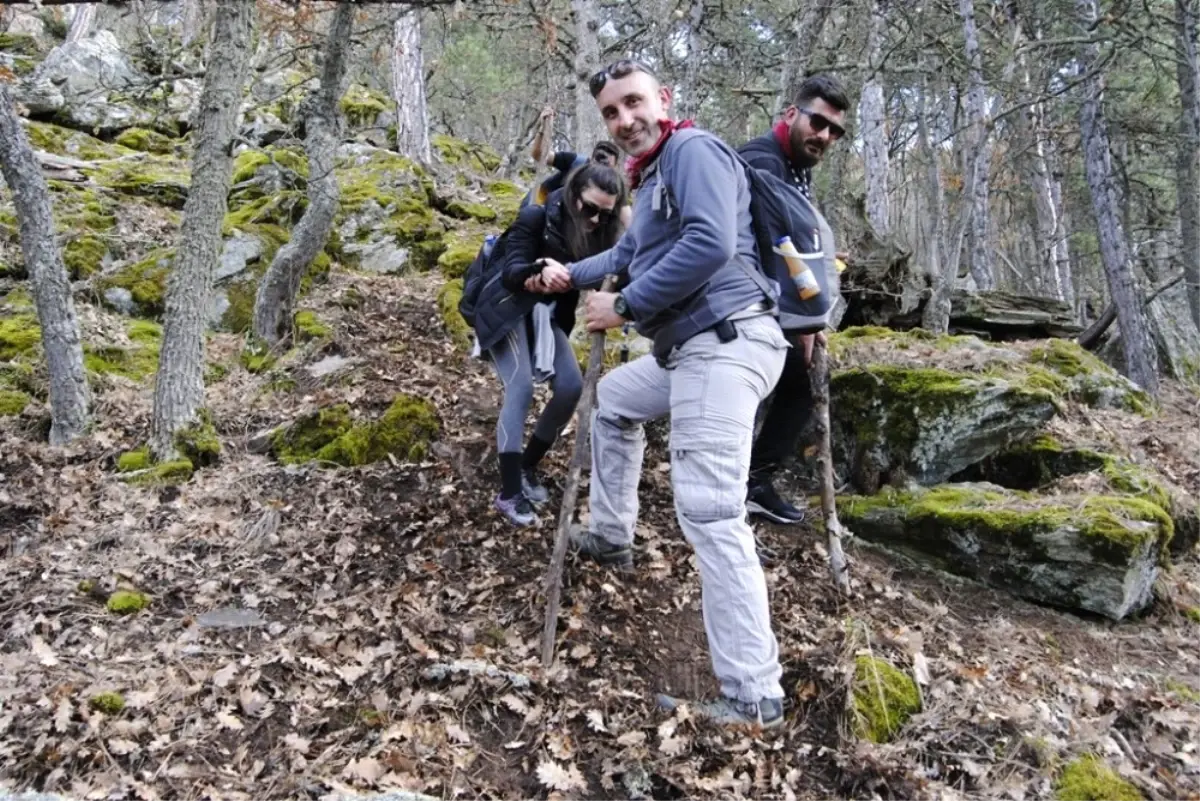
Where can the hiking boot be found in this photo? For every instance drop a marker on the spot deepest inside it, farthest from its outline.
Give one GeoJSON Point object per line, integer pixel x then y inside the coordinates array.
{"type": "Point", "coordinates": [533, 488]}
{"type": "Point", "coordinates": [517, 509]}
{"type": "Point", "coordinates": [767, 713]}
{"type": "Point", "coordinates": [591, 546]}
{"type": "Point", "coordinates": [762, 499]}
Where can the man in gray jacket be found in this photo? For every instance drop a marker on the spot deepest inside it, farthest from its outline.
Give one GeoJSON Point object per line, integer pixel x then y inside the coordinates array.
{"type": "Point", "coordinates": [692, 285]}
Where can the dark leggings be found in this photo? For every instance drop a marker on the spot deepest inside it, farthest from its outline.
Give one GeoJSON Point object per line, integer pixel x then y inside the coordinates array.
{"type": "Point", "coordinates": [514, 364]}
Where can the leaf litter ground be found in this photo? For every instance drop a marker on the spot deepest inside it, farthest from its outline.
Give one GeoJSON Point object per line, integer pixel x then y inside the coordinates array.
{"type": "Point", "coordinates": [317, 630]}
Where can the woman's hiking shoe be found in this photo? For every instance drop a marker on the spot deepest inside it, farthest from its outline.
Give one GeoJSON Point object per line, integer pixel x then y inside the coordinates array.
{"type": "Point", "coordinates": [762, 499]}
{"type": "Point", "coordinates": [591, 546]}
{"type": "Point", "coordinates": [767, 713]}
{"type": "Point", "coordinates": [533, 488]}
{"type": "Point", "coordinates": [517, 509]}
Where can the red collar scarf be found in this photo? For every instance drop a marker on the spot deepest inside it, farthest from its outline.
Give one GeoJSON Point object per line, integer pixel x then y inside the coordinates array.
{"type": "Point", "coordinates": [783, 136]}
{"type": "Point", "coordinates": [639, 163]}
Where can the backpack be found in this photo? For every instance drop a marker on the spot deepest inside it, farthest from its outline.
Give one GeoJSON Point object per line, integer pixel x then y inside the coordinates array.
{"type": "Point", "coordinates": [478, 273]}
{"type": "Point", "coordinates": [778, 209]}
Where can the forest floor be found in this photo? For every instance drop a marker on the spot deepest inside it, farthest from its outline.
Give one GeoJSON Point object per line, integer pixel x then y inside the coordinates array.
{"type": "Point", "coordinates": [362, 594]}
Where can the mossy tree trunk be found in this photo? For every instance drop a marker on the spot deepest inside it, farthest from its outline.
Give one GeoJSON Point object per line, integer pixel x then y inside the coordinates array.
{"type": "Point", "coordinates": [408, 87]}
{"type": "Point", "coordinates": [1140, 355]}
{"type": "Point", "coordinates": [277, 293]}
{"type": "Point", "coordinates": [69, 396]}
{"type": "Point", "coordinates": [179, 389]}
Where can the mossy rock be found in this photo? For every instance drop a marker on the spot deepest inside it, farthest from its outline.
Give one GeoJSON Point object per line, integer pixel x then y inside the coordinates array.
{"type": "Point", "coordinates": [455, 260]}
{"type": "Point", "coordinates": [12, 402]}
{"type": "Point", "coordinates": [110, 703]}
{"type": "Point", "coordinates": [20, 335]}
{"type": "Point", "coordinates": [1089, 779]}
{"type": "Point", "coordinates": [467, 210]}
{"type": "Point", "coordinates": [164, 182]}
{"type": "Point", "coordinates": [145, 140]}
{"type": "Point", "coordinates": [362, 106]}
{"type": "Point", "coordinates": [21, 43]}
{"type": "Point", "coordinates": [145, 280]}
{"type": "Point", "coordinates": [893, 423]}
{"type": "Point", "coordinates": [448, 299]}
{"type": "Point", "coordinates": [1090, 380]}
{"type": "Point", "coordinates": [885, 697]}
{"type": "Point", "coordinates": [127, 602]}
{"type": "Point", "coordinates": [457, 152]}
{"type": "Point", "coordinates": [84, 255]}
{"type": "Point", "coordinates": [1098, 554]}
{"type": "Point", "coordinates": [330, 436]}
{"type": "Point", "coordinates": [307, 327]}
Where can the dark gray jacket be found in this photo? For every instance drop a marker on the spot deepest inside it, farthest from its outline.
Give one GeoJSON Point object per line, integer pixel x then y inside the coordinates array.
{"type": "Point", "coordinates": [689, 249]}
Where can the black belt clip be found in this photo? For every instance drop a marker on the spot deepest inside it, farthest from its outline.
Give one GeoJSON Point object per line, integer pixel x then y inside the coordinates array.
{"type": "Point", "coordinates": [726, 331]}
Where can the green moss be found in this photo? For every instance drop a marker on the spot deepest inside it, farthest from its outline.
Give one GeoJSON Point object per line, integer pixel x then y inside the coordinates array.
{"type": "Point", "coordinates": [238, 317]}
{"type": "Point", "coordinates": [453, 263]}
{"type": "Point", "coordinates": [177, 471]}
{"type": "Point", "coordinates": [138, 459]}
{"type": "Point", "coordinates": [362, 106]}
{"type": "Point", "coordinates": [404, 430]}
{"type": "Point", "coordinates": [307, 327]}
{"type": "Point", "coordinates": [884, 698]}
{"type": "Point", "coordinates": [109, 703]}
{"type": "Point", "coordinates": [146, 281]}
{"type": "Point", "coordinates": [198, 443]}
{"type": "Point", "coordinates": [21, 43]}
{"type": "Point", "coordinates": [145, 140]}
{"type": "Point", "coordinates": [85, 586]}
{"type": "Point", "coordinates": [246, 164]}
{"type": "Point", "coordinates": [1089, 779]}
{"type": "Point", "coordinates": [1183, 691]}
{"type": "Point", "coordinates": [281, 209]}
{"type": "Point", "coordinates": [465, 210]}
{"type": "Point", "coordinates": [127, 602]}
{"type": "Point", "coordinates": [12, 402]}
{"type": "Point", "coordinates": [256, 359]}
{"type": "Point", "coordinates": [84, 255]}
{"type": "Point", "coordinates": [456, 151]}
{"type": "Point", "coordinates": [135, 363]}
{"type": "Point", "coordinates": [1091, 381]}
{"type": "Point", "coordinates": [303, 439]}
{"type": "Point", "coordinates": [448, 299]}
{"type": "Point", "coordinates": [1193, 614]}
{"type": "Point", "coordinates": [48, 137]}
{"type": "Point", "coordinates": [19, 335]}
{"type": "Point", "coordinates": [165, 183]}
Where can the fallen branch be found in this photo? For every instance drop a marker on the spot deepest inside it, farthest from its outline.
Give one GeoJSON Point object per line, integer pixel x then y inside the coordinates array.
{"type": "Point", "coordinates": [1094, 333]}
{"type": "Point", "coordinates": [583, 429]}
{"type": "Point", "coordinates": [819, 375]}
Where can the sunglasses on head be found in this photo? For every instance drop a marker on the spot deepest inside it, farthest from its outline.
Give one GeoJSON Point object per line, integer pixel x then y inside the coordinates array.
{"type": "Point", "coordinates": [618, 69]}
{"type": "Point", "coordinates": [590, 210]}
{"type": "Point", "coordinates": [820, 122]}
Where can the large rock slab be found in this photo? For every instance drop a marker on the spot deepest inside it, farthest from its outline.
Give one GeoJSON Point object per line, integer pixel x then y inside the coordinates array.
{"type": "Point", "coordinates": [1097, 554]}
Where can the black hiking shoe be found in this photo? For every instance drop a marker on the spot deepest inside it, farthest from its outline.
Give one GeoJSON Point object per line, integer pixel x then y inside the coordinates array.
{"type": "Point", "coordinates": [763, 500]}
{"type": "Point", "coordinates": [590, 546]}
{"type": "Point", "coordinates": [533, 488]}
{"type": "Point", "coordinates": [767, 713]}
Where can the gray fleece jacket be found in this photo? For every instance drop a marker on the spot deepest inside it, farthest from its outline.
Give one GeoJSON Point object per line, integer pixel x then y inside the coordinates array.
{"type": "Point", "coordinates": [689, 251]}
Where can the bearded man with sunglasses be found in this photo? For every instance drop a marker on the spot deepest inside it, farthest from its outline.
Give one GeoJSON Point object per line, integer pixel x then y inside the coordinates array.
{"type": "Point", "coordinates": [797, 143]}
{"type": "Point", "coordinates": [693, 285]}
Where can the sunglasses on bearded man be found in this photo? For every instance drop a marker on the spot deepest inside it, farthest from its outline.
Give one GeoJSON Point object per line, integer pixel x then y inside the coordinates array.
{"type": "Point", "coordinates": [819, 122]}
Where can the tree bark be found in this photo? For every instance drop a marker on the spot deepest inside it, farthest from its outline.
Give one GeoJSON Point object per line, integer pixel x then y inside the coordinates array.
{"type": "Point", "coordinates": [937, 198]}
{"type": "Point", "coordinates": [179, 389]}
{"type": "Point", "coordinates": [1188, 172]}
{"type": "Point", "coordinates": [806, 31]}
{"type": "Point", "coordinates": [872, 112]}
{"type": "Point", "coordinates": [589, 127]}
{"type": "Point", "coordinates": [276, 295]}
{"type": "Point", "coordinates": [408, 88]}
{"type": "Point", "coordinates": [69, 396]}
{"type": "Point", "coordinates": [977, 111]}
{"type": "Point", "coordinates": [81, 23]}
{"type": "Point", "coordinates": [1140, 355]}
{"type": "Point", "coordinates": [193, 20]}
{"type": "Point", "coordinates": [690, 90]}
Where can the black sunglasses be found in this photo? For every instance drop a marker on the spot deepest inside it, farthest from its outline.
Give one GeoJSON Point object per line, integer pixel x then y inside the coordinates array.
{"type": "Point", "coordinates": [590, 210]}
{"type": "Point", "coordinates": [820, 122]}
{"type": "Point", "coordinates": [618, 69]}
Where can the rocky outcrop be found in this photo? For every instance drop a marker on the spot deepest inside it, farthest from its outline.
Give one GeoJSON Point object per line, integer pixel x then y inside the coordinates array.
{"type": "Point", "coordinates": [1098, 554]}
{"type": "Point", "coordinates": [1175, 336]}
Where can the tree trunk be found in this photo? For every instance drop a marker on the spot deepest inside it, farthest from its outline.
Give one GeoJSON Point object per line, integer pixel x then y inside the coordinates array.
{"type": "Point", "coordinates": [589, 128]}
{"type": "Point", "coordinates": [937, 199]}
{"type": "Point", "coordinates": [408, 88]}
{"type": "Point", "coordinates": [81, 23]}
{"type": "Point", "coordinates": [179, 389]}
{"type": "Point", "coordinates": [277, 292]}
{"type": "Point", "coordinates": [1140, 356]}
{"type": "Point", "coordinates": [1062, 245]}
{"type": "Point", "coordinates": [806, 32]}
{"type": "Point", "coordinates": [981, 258]}
{"type": "Point", "coordinates": [872, 112]}
{"type": "Point", "coordinates": [1188, 173]}
{"type": "Point", "coordinates": [690, 90]}
{"type": "Point", "coordinates": [193, 20]}
{"type": "Point", "coordinates": [69, 396]}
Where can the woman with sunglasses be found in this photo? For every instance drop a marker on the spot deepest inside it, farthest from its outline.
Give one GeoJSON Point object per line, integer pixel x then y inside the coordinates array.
{"type": "Point", "coordinates": [526, 335]}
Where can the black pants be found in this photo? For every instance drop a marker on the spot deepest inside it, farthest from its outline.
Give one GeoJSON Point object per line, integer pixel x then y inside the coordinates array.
{"type": "Point", "coordinates": [787, 412]}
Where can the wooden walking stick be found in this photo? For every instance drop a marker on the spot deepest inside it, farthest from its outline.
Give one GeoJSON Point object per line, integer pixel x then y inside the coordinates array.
{"type": "Point", "coordinates": [819, 375]}
{"type": "Point", "coordinates": [583, 429]}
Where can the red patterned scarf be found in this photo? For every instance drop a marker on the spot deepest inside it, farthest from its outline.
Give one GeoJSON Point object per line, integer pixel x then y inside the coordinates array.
{"type": "Point", "coordinates": [639, 163]}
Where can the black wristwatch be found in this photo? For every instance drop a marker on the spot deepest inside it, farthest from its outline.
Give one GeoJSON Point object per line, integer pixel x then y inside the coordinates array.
{"type": "Point", "coordinates": [621, 307]}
